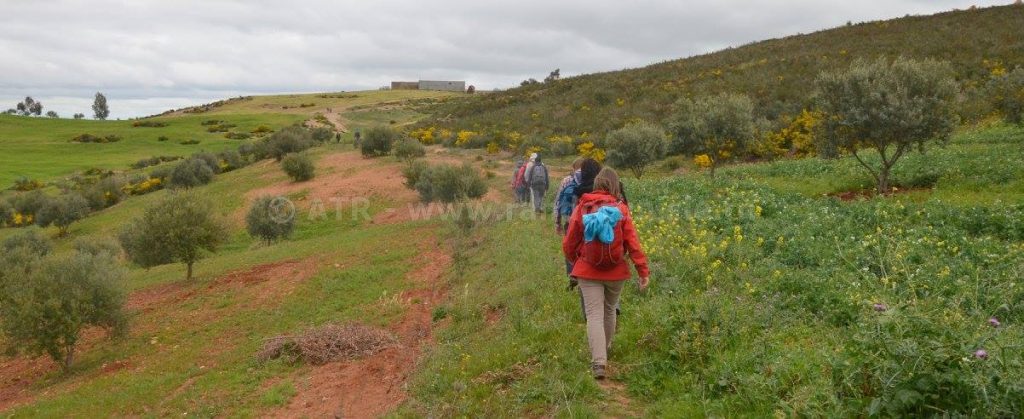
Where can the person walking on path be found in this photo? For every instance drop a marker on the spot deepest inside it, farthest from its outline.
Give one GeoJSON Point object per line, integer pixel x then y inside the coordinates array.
{"type": "Point", "coordinates": [538, 180]}
{"type": "Point", "coordinates": [601, 235]}
{"type": "Point", "coordinates": [565, 197]}
{"type": "Point", "coordinates": [518, 182]}
{"type": "Point", "coordinates": [355, 138]}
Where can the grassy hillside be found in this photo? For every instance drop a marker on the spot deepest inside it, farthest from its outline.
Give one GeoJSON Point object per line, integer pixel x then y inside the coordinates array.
{"type": "Point", "coordinates": [40, 148]}
{"type": "Point", "coordinates": [769, 298]}
{"type": "Point", "coordinates": [775, 73]}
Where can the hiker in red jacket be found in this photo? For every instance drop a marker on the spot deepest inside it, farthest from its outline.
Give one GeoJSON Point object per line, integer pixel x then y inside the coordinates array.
{"type": "Point", "coordinates": [601, 234]}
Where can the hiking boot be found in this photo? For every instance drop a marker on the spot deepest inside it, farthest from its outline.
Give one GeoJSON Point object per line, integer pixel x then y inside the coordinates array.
{"type": "Point", "coordinates": [598, 371]}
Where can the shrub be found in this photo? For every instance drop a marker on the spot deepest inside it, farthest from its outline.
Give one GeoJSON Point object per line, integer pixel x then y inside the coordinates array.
{"type": "Point", "coordinates": [449, 183]}
{"type": "Point", "coordinates": [59, 297]}
{"type": "Point", "coordinates": [291, 139]}
{"type": "Point", "coordinates": [104, 193]}
{"type": "Point", "coordinates": [1007, 95]}
{"type": "Point", "coordinates": [719, 126]}
{"type": "Point", "coordinates": [211, 160]}
{"type": "Point", "coordinates": [209, 122]}
{"type": "Point", "coordinates": [6, 212]}
{"type": "Point", "coordinates": [262, 129]}
{"type": "Point", "coordinates": [62, 211]}
{"type": "Point", "coordinates": [144, 186]}
{"type": "Point", "coordinates": [230, 160]}
{"type": "Point", "coordinates": [178, 228]}
{"type": "Point", "coordinates": [98, 247]}
{"type": "Point", "coordinates": [890, 108]}
{"type": "Point", "coordinates": [89, 138]}
{"type": "Point", "coordinates": [190, 173]}
{"type": "Point", "coordinates": [29, 203]}
{"type": "Point", "coordinates": [377, 141]}
{"type": "Point", "coordinates": [162, 172]}
{"type": "Point", "coordinates": [30, 241]}
{"type": "Point", "coordinates": [270, 219]}
{"type": "Point", "coordinates": [298, 166]}
{"type": "Point", "coordinates": [162, 138]}
{"type": "Point", "coordinates": [189, 142]}
{"type": "Point", "coordinates": [413, 171]}
{"type": "Point", "coordinates": [238, 136]}
{"type": "Point", "coordinates": [636, 146]}
{"type": "Point", "coordinates": [322, 135]}
{"type": "Point", "coordinates": [408, 149]}
{"type": "Point", "coordinates": [25, 184]}
{"type": "Point", "coordinates": [153, 161]}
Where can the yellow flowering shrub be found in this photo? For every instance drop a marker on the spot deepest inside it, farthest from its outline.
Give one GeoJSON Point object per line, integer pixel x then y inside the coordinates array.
{"type": "Point", "coordinates": [702, 161]}
{"type": "Point", "coordinates": [144, 187]}
{"type": "Point", "coordinates": [796, 139]}
{"type": "Point", "coordinates": [493, 147]}
{"type": "Point", "coordinates": [514, 139]}
{"type": "Point", "coordinates": [464, 136]}
{"type": "Point", "coordinates": [588, 149]}
{"type": "Point", "coordinates": [21, 220]}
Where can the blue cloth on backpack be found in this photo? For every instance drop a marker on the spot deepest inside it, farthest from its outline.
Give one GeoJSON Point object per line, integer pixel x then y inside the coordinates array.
{"type": "Point", "coordinates": [601, 224]}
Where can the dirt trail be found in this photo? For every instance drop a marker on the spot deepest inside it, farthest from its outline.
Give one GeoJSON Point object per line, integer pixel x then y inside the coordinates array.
{"type": "Point", "coordinates": [344, 180]}
{"type": "Point", "coordinates": [373, 386]}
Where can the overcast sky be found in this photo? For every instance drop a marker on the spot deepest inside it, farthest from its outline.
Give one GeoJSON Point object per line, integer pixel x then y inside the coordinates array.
{"type": "Point", "coordinates": [149, 56]}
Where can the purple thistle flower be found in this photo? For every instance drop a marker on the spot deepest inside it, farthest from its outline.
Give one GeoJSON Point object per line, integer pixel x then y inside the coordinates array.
{"type": "Point", "coordinates": [879, 307]}
{"type": "Point", "coordinates": [981, 354]}
{"type": "Point", "coordinates": [994, 322]}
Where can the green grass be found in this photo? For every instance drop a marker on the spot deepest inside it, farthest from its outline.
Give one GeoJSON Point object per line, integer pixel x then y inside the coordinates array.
{"type": "Point", "coordinates": [215, 351]}
{"type": "Point", "coordinates": [762, 302]}
{"type": "Point", "coordinates": [41, 149]}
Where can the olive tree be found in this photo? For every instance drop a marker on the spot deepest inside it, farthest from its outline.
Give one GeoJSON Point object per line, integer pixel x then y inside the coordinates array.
{"type": "Point", "coordinates": [891, 108]}
{"type": "Point", "coordinates": [190, 173]}
{"type": "Point", "coordinates": [720, 126]}
{"type": "Point", "coordinates": [62, 211]}
{"type": "Point", "coordinates": [636, 146]}
{"type": "Point", "coordinates": [378, 141]}
{"type": "Point", "coordinates": [1007, 95]}
{"type": "Point", "coordinates": [270, 218]}
{"type": "Point", "coordinates": [298, 166]}
{"type": "Point", "coordinates": [287, 140]}
{"type": "Point", "coordinates": [178, 228]}
{"type": "Point", "coordinates": [57, 297]}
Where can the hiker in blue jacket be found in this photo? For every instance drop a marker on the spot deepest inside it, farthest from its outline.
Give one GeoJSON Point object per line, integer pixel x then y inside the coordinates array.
{"type": "Point", "coordinates": [565, 197]}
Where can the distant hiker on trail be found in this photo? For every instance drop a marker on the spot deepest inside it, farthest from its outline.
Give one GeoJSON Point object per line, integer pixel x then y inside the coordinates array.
{"type": "Point", "coordinates": [601, 235]}
{"type": "Point", "coordinates": [538, 182]}
{"type": "Point", "coordinates": [337, 138]}
{"type": "Point", "coordinates": [355, 141]}
{"type": "Point", "coordinates": [518, 184]}
{"type": "Point", "coordinates": [565, 196]}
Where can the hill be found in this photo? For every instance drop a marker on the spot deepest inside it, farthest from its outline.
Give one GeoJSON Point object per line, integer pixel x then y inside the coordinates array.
{"type": "Point", "coordinates": [776, 73]}
{"type": "Point", "coordinates": [28, 141]}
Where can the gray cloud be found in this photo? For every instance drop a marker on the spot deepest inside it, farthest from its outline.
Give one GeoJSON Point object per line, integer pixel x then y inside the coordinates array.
{"type": "Point", "coordinates": [148, 56]}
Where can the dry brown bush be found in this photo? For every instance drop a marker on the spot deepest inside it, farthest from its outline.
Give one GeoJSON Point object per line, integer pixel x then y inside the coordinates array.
{"type": "Point", "coordinates": [320, 345]}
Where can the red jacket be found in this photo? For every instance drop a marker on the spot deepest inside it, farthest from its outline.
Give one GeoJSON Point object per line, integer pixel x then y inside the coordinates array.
{"type": "Point", "coordinates": [572, 244]}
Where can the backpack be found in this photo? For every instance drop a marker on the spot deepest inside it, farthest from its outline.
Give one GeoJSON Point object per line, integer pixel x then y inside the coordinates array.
{"type": "Point", "coordinates": [517, 182]}
{"type": "Point", "coordinates": [605, 256]}
{"type": "Point", "coordinates": [538, 178]}
{"type": "Point", "coordinates": [567, 199]}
